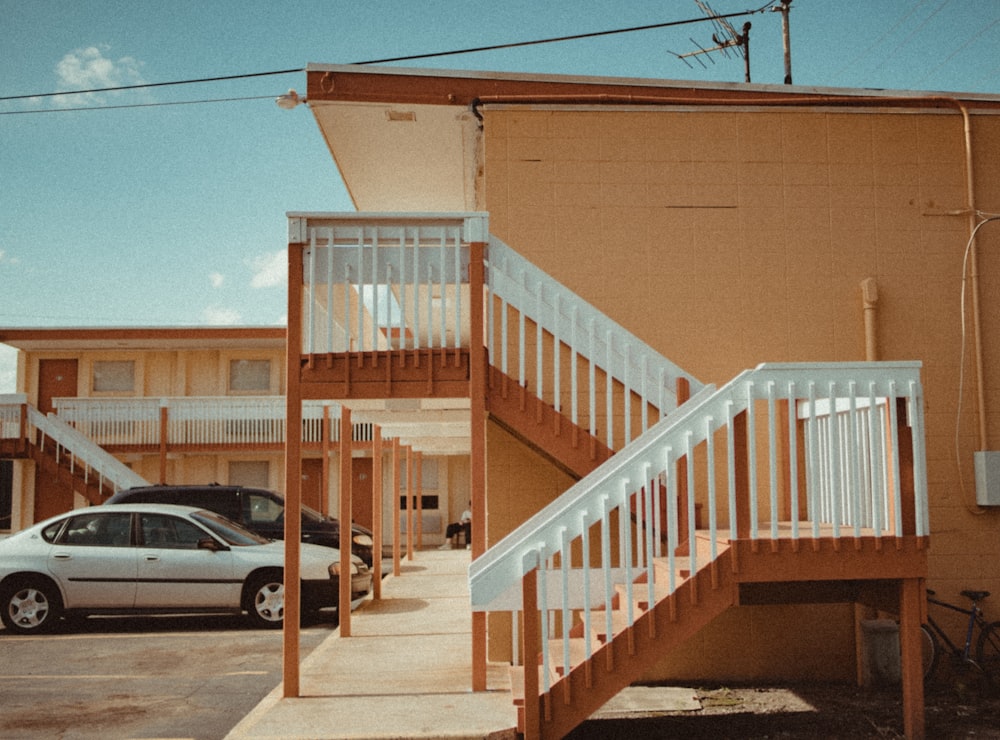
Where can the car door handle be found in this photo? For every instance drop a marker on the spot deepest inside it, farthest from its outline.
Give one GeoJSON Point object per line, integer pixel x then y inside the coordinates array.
{"type": "Point", "coordinates": [152, 558]}
{"type": "Point", "coordinates": [62, 556]}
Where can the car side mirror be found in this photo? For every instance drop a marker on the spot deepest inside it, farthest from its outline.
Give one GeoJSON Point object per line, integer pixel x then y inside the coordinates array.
{"type": "Point", "coordinates": [207, 543]}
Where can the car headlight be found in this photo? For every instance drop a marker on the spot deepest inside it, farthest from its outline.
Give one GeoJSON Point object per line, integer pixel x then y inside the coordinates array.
{"type": "Point", "coordinates": [363, 540]}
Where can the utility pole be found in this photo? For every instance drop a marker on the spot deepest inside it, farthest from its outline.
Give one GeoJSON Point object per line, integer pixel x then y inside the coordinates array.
{"type": "Point", "coordinates": [783, 9]}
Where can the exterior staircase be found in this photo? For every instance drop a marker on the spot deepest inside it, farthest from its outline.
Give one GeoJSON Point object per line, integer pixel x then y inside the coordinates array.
{"type": "Point", "coordinates": [62, 451]}
{"type": "Point", "coordinates": [689, 499]}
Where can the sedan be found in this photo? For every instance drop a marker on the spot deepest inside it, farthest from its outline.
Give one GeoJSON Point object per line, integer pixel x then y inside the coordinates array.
{"type": "Point", "coordinates": [155, 558]}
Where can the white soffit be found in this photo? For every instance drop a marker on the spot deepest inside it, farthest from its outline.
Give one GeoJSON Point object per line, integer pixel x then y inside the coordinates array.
{"type": "Point", "coordinates": [402, 157]}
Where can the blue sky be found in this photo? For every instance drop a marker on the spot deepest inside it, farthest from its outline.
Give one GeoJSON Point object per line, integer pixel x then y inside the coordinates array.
{"type": "Point", "coordinates": [175, 214]}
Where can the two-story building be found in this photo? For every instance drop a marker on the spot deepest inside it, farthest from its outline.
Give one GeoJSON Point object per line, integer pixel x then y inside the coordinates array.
{"type": "Point", "coordinates": [591, 272]}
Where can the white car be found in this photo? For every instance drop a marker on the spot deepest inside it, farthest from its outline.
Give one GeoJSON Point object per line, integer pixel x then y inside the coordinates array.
{"type": "Point", "coordinates": [153, 558]}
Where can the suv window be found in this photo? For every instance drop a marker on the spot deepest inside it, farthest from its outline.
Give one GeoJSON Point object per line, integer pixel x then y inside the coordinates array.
{"type": "Point", "coordinates": [261, 509]}
{"type": "Point", "coordinates": [225, 501]}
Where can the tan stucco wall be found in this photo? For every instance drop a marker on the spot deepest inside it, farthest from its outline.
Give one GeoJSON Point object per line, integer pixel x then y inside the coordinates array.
{"type": "Point", "coordinates": [725, 238]}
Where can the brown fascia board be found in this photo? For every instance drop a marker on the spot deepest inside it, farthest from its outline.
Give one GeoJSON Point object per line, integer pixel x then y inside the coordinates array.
{"type": "Point", "coordinates": [350, 83]}
{"type": "Point", "coordinates": [140, 337]}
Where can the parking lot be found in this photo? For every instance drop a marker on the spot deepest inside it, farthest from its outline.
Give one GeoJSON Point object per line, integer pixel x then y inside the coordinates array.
{"type": "Point", "coordinates": [149, 677]}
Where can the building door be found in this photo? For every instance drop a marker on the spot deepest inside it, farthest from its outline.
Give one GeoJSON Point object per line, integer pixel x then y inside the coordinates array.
{"type": "Point", "coordinates": [361, 490]}
{"type": "Point", "coordinates": [56, 379]}
{"type": "Point", "coordinates": [312, 484]}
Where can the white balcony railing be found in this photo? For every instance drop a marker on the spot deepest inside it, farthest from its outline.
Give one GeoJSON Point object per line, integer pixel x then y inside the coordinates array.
{"type": "Point", "coordinates": [193, 421]}
{"type": "Point", "coordinates": [385, 281]}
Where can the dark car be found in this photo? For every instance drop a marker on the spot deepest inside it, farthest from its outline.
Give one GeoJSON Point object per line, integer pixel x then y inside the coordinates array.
{"type": "Point", "coordinates": [257, 509]}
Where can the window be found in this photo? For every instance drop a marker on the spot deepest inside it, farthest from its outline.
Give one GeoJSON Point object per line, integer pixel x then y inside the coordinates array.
{"type": "Point", "coordinates": [98, 529]}
{"type": "Point", "coordinates": [159, 530]}
{"type": "Point", "coordinates": [262, 509]}
{"type": "Point", "coordinates": [249, 376]}
{"type": "Point", "coordinates": [250, 473]}
{"type": "Point", "coordinates": [114, 376]}
{"type": "Point", "coordinates": [6, 492]}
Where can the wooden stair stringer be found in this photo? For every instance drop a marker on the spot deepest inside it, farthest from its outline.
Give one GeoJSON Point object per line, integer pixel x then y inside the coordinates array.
{"type": "Point", "coordinates": [89, 486]}
{"type": "Point", "coordinates": [633, 652]}
{"type": "Point", "coordinates": [541, 427]}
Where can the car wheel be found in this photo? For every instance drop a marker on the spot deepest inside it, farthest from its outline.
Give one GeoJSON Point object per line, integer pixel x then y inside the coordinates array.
{"type": "Point", "coordinates": [264, 597]}
{"type": "Point", "coordinates": [31, 606]}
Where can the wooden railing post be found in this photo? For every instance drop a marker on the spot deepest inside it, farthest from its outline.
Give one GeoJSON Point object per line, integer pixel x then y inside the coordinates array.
{"type": "Point", "coordinates": [530, 649]}
{"type": "Point", "coordinates": [164, 412]}
{"type": "Point", "coordinates": [904, 435]}
{"type": "Point", "coordinates": [741, 476]}
{"type": "Point", "coordinates": [346, 479]}
{"type": "Point", "coordinates": [478, 361]}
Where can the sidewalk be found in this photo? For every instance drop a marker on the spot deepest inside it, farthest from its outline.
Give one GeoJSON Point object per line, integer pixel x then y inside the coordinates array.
{"type": "Point", "coordinates": [405, 672]}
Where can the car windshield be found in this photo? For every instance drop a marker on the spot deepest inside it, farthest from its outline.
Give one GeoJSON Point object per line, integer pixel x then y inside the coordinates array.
{"type": "Point", "coordinates": [227, 530]}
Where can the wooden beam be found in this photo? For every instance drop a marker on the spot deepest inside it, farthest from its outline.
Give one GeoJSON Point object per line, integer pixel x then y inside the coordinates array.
{"type": "Point", "coordinates": [346, 509]}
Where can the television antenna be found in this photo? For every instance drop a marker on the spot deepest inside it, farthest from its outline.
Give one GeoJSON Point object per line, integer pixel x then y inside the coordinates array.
{"type": "Point", "coordinates": [730, 43]}
{"type": "Point", "coordinates": [726, 39]}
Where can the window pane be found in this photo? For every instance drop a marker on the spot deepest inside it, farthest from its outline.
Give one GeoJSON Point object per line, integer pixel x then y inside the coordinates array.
{"type": "Point", "coordinates": [250, 375]}
{"type": "Point", "coordinates": [102, 529]}
{"type": "Point", "coordinates": [114, 376]}
{"type": "Point", "coordinates": [249, 473]}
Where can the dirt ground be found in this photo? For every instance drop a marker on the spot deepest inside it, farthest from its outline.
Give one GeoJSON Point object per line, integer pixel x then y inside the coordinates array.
{"type": "Point", "coordinates": [807, 711]}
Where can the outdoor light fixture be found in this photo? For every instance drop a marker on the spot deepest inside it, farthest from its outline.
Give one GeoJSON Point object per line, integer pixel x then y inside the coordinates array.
{"type": "Point", "coordinates": [289, 100]}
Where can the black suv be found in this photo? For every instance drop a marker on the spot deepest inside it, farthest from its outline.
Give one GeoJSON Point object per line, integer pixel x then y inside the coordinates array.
{"type": "Point", "coordinates": [257, 509]}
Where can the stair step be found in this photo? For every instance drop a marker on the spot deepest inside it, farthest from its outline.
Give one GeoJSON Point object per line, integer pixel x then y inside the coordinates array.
{"type": "Point", "coordinates": [516, 673]}
{"type": "Point", "coordinates": [577, 652]}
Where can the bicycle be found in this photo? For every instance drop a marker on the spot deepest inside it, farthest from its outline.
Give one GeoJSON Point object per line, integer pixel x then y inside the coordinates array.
{"type": "Point", "coordinates": [984, 669]}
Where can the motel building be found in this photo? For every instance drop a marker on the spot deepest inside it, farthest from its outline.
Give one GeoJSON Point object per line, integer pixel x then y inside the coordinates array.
{"type": "Point", "coordinates": [716, 365]}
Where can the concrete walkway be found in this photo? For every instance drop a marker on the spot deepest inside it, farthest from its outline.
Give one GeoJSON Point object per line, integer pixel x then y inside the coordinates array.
{"type": "Point", "coordinates": [405, 672]}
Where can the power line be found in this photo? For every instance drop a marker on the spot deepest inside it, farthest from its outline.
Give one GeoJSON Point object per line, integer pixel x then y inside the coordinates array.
{"type": "Point", "coordinates": [384, 60]}
{"type": "Point", "coordinates": [134, 105]}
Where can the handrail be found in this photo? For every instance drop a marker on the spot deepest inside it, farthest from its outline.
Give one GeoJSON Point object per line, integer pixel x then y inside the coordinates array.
{"type": "Point", "coordinates": [83, 451]}
{"type": "Point", "coordinates": [560, 320]}
{"type": "Point", "coordinates": [855, 462]}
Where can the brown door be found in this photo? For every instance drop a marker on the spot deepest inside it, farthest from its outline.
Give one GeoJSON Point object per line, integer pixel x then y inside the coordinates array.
{"type": "Point", "coordinates": [312, 484]}
{"type": "Point", "coordinates": [361, 490]}
{"type": "Point", "coordinates": [56, 378]}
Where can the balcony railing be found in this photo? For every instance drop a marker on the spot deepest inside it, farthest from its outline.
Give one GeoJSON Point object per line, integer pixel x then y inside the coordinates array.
{"type": "Point", "coordinates": [199, 421]}
{"type": "Point", "coordinates": [385, 281]}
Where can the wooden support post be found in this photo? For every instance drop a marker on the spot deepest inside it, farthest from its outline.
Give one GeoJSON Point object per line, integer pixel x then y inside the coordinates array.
{"type": "Point", "coordinates": [324, 499]}
{"type": "Point", "coordinates": [397, 490]}
{"type": "Point", "coordinates": [420, 499]}
{"type": "Point", "coordinates": [163, 442]}
{"type": "Point", "coordinates": [409, 503]}
{"type": "Point", "coordinates": [478, 364]}
{"type": "Point", "coordinates": [346, 479]}
{"type": "Point", "coordinates": [377, 514]}
{"type": "Point", "coordinates": [293, 475]}
{"type": "Point", "coordinates": [911, 650]}
{"type": "Point", "coordinates": [530, 652]}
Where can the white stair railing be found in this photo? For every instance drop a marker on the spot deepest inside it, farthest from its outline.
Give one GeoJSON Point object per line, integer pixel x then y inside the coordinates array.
{"type": "Point", "coordinates": [852, 457]}
{"type": "Point", "coordinates": [84, 455]}
{"type": "Point", "coordinates": [564, 350]}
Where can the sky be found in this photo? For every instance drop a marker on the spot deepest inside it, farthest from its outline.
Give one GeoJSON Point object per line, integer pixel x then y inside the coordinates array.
{"type": "Point", "coordinates": [151, 207]}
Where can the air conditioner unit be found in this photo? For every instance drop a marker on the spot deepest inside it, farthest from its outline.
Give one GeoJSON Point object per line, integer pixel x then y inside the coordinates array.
{"type": "Point", "coordinates": [988, 478]}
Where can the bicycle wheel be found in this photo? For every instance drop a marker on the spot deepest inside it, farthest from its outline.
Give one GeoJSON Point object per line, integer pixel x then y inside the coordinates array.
{"type": "Point", "coordinates": [988, 651]}
{"type": "Point", "coordinates": [931, 651]}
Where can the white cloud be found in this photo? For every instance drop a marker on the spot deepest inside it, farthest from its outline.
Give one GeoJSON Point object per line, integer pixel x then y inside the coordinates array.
{"type": "Point", "coordinates": [217, 279]}
{"type": "Point", "coordinates": [88, 68]}
{"type": "Point", "coordinates": [220, 316]}
{"type": "Point", "coordinates": [269, 270]}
